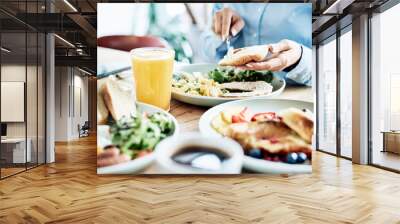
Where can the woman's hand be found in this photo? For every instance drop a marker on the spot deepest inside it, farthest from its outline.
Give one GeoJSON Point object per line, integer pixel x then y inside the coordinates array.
{"type": "Point", "coordinates": [282, 55]}
{"type": "Point", "coordinates": [111, 156]}
{"type": "Point", "coordinates": [227, 22]}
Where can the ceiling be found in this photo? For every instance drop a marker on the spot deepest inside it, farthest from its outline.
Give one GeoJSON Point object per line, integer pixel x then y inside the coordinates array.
{"type": "Point", "coordinates": [76, 25]}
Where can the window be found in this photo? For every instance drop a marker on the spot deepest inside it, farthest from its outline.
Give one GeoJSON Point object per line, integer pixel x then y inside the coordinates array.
{"type": "Point", "coordinates": [327, 96]}
{"type": "Point", "coordinates": [385, 89]}
{"type": "Point", "coordinates": [22, 77]}
{"type": "Point", "coordinates": [346, 93]}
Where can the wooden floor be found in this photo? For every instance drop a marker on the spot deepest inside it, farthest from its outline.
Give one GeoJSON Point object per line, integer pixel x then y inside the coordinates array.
{"type": "Point", "coordinates": [386, 159]}
{"type": "Point", "coordinates": [10, 171]}
{"type": "Point", "coordinates": [69, 191]}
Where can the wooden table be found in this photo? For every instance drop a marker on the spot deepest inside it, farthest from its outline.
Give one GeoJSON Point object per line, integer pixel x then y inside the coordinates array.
{"type": "Point", "coordinates": [391, 141]}
{"type": "Point", "coordinates": [188, 115]}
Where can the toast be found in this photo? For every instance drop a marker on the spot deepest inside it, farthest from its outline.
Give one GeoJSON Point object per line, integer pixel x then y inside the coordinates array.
{"type": "Point", "coordinates": [119, 102]}
{"type": "Point", "coordinates": [102, 112]}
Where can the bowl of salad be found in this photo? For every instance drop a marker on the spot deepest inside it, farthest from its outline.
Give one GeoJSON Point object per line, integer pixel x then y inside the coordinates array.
{"type": "Point", "coordinates": [210, 84]}
{"type": "Point", "coordinates": [132, 139]}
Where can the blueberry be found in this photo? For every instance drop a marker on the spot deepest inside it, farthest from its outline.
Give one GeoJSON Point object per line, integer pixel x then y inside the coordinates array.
{"type": "Point", "coordinates": [291, 158]}
{"type": "Point", "coordinates": [256, 153]}
{"type": "Point", "coordinates": [301, 157]}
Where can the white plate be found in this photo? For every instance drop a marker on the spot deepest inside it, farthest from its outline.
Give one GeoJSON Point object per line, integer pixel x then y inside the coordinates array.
{"type": "Point", "coordinates": [136, 165]}
{"type": "Point", "coordinates": [258, 106]}
{"type": "Point", "coordinates": [278, 85]}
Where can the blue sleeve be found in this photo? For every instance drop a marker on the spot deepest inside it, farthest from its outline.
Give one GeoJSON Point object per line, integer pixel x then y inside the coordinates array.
{"type": "Point", "coordinates": [213, 47]}
{"type": "Point", "coordinates": [301, 74]}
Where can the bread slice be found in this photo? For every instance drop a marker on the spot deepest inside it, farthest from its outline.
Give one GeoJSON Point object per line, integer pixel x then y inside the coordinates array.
{"type": "Point", "coordinates": [119, 102]}
{"type": "Point", "coordinates": [102, 112]}
{"type": "Point", "coordinates": [299, 121]}
{"type": "Point", "coordinates": [245, 55]}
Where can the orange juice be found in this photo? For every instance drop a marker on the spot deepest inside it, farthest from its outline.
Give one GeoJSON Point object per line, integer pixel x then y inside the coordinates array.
{"type": "Point", "coordinates": [152, 70]}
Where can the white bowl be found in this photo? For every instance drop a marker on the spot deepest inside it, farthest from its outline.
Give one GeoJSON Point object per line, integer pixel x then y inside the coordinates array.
{"type": "Point", "coordinates": [135, 165]}
{"type": "Point", "coordinates": [167, 148]}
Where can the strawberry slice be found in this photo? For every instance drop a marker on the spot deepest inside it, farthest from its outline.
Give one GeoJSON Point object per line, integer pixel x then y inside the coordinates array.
{"type": "Point", "coordinates": [240, 117]}
{"type": "Point", "coordinates": [266, 116]}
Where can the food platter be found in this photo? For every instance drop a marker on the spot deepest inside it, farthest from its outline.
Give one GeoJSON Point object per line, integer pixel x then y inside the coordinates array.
{"type": "Point", "coordinates": [258, 106]}
{"type": "Point", "coordinates": [137, 164]}
{"type": "Point", "coordinates": [278, 85]}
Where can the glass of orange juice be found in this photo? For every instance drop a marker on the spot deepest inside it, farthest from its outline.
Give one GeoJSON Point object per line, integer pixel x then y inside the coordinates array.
{"type": "Point", "coordinates": [152, 70]}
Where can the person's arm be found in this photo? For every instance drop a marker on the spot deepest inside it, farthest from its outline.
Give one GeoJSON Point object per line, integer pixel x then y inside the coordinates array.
{"type": "Point", "coordinates": [302, 72]}
{"type": "Point", "coordinates": [214, 47]}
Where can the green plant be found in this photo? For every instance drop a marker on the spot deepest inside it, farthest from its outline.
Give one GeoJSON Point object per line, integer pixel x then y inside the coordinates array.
{"type": "Point", "coordinates": [176, 39]}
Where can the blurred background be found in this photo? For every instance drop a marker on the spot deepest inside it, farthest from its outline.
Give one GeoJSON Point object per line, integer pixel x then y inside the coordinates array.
{"type": "Point", "coordinates": [180, 24]}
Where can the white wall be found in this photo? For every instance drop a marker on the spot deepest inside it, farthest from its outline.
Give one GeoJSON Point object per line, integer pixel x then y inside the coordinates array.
{"type": "Point", "coordinates": [71, 93]}
{"type": "Point", "coordinates": [61, 103]}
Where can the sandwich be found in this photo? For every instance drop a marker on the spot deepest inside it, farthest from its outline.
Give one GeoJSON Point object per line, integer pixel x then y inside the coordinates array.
{"type": "Point", "coordinates": [245, 55]}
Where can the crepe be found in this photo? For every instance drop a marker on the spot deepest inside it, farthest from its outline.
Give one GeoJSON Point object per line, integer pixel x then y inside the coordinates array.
{"type": "Point", "coordinates": [299, 121]}
{"type": "Point", "coordinates": [290, 143]}
{"type": "Point", "coordinates": [290, 131]}
{"type": "Point", "coordinates": [272, 136]}
{"type": "Point", "coordinates": [245, 55]}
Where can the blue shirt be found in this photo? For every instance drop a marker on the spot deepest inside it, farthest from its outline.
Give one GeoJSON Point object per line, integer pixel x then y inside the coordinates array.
{"type": "Point", "coordinates": [267, 23]}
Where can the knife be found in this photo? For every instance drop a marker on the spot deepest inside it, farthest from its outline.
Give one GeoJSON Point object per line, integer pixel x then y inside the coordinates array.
{"type": "Point", "coordinates": [228, 46]}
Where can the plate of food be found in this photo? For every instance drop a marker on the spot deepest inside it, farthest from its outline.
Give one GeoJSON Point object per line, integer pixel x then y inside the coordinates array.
{"type": "Point", "coordinates": [128, 131]}
{"type": "Point", "coordinates": [210, 84]}
{"type": "Point", "coordinates": [275, 134]}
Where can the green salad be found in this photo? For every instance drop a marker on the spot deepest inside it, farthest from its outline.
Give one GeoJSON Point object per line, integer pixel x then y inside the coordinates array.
{"type": "Point", "coordinates": [223, 75]}
{"type": "Point", "coordinates": [140, 133]}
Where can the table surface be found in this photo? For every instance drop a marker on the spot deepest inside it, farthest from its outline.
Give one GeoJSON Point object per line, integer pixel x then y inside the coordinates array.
{"type": "Point", "coordinates": [188, 115]}
{"type": "Point", "coordinates": [391, 132]}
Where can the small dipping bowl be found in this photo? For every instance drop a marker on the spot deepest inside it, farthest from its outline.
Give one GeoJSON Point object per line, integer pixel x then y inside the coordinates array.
{"type": "Point", "coordinates": [172, 146]}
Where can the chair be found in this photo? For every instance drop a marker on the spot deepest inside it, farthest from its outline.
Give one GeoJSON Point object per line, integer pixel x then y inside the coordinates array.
{"type": "Point", "coordinates": [129, 42]}
{"type": "Point", "coordinates": [84, 130]}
